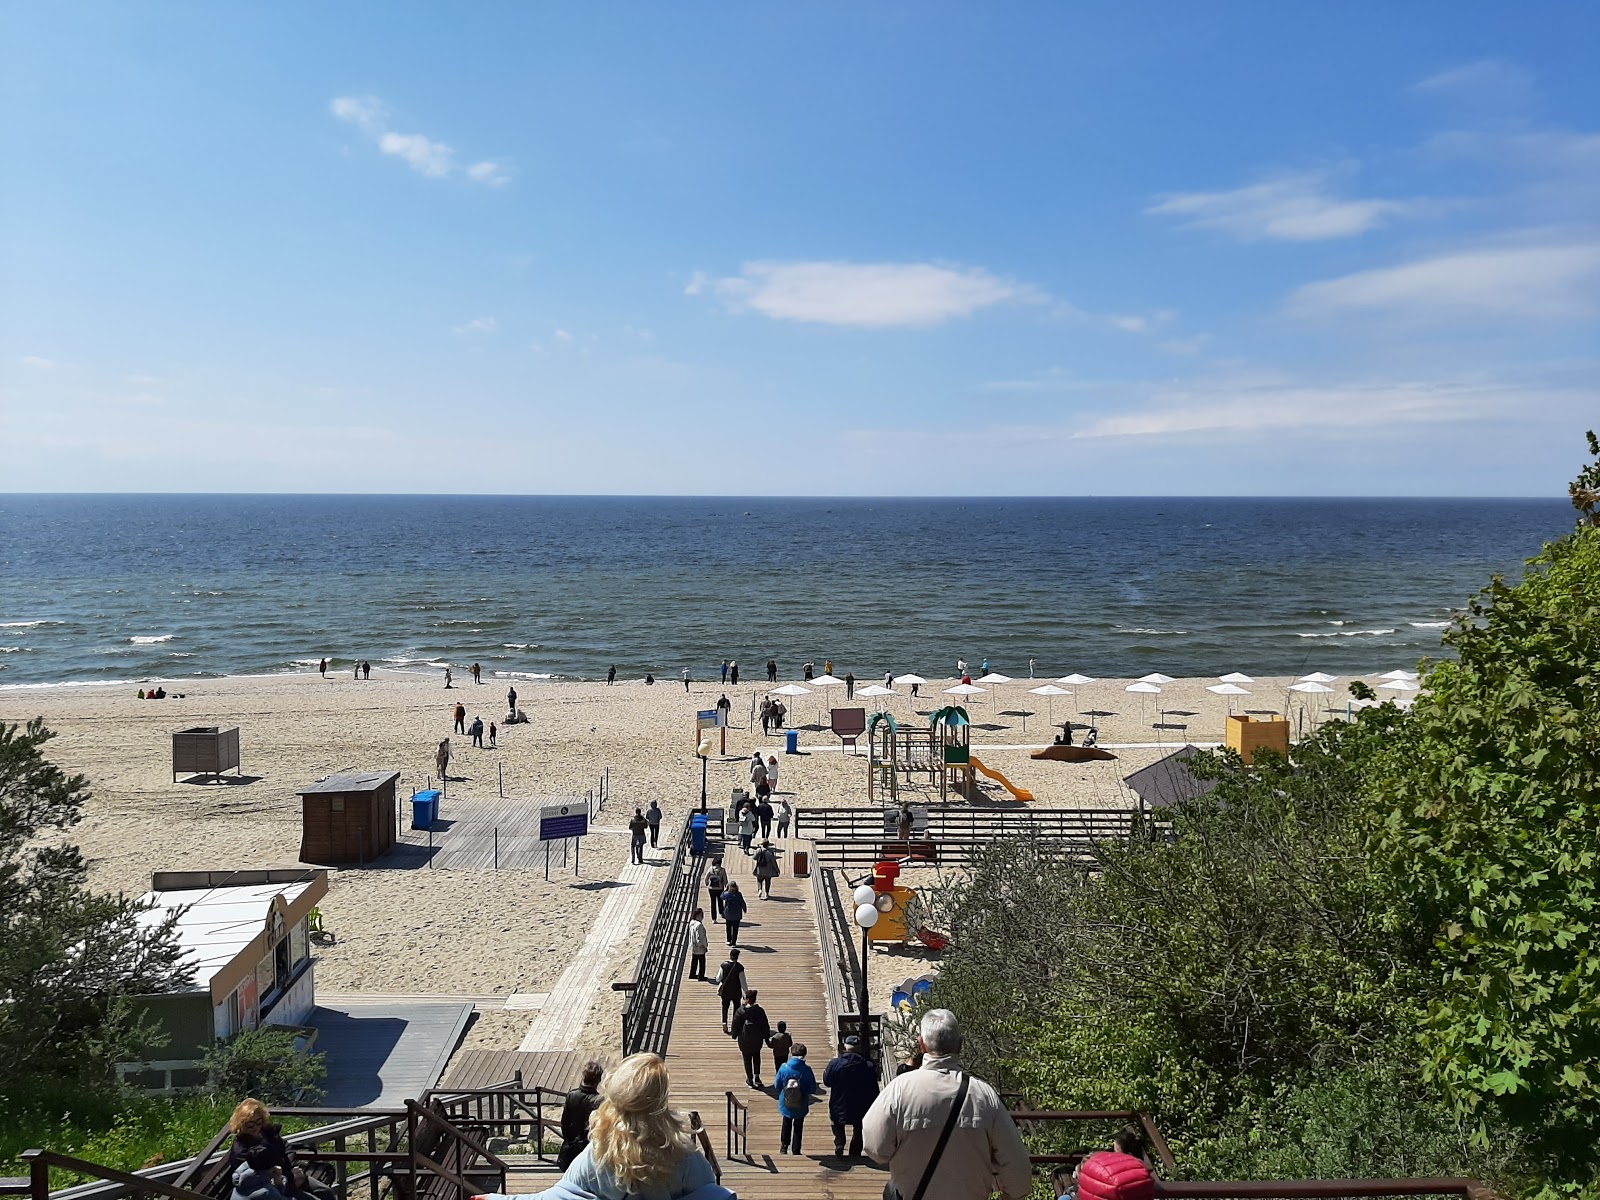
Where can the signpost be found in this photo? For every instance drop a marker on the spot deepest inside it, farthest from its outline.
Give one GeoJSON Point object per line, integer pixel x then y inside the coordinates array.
{"type": "Point", "coordinates": [711, 718]}
{"type": "Point", "coordinates": [558, 822]}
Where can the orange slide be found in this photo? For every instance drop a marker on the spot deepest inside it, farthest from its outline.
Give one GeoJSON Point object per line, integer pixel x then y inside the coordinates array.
{"type": "Point", "coordinates": [1019, 793]}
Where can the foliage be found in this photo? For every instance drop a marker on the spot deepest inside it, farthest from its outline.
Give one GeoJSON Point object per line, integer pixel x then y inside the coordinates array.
{"type": "Point", "coordinates": [68, 957]}
{"type": "Point", "coordinates": [1491, 830]}
{"type": "Point", "coordinates": [265, 1063]}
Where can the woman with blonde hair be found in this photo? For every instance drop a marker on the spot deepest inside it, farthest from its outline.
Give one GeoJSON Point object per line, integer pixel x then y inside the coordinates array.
{"type": "Point", "coordinates": [640, 1147]}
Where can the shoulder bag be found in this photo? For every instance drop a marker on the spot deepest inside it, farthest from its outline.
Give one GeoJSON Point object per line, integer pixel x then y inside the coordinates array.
{"type": "Point", "coordinates": [890, 1192]}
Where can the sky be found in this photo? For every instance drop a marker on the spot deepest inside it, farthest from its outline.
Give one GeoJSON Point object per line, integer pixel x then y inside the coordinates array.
{"type": "Point", "coordinates": [808, 249]}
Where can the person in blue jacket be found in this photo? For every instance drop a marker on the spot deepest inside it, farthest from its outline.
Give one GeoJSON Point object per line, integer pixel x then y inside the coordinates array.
{"type": "Point", "coordinates": [795, 1085]}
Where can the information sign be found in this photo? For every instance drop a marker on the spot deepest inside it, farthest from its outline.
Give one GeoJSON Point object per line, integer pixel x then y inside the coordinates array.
{"type": "Point", "coordinates": [563, 821]}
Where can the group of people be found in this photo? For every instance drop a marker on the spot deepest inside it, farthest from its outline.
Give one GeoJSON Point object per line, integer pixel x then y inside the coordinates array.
{"type": "Point", "coordinates": [359, 670]}
{"type": "Point", "coordinates": [643, 823]}
{"type": "Point", "coordinates": [773, 713]}
{"type": "Point", "coordinates": [476, 729]}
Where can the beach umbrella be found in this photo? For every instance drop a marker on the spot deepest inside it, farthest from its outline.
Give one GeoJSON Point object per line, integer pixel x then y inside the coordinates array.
{"type": "Point", "coordinates": [1401, 685]}
{"type": "Point", "coordinates": [1051, 691]}
{"type": "Point", "coordinates": [1310, 685]}
{"type": "Point", "coordinates": [1317, 677]}
{"type": "Point", "coordinates": [1154, 677]}
{"type": "Point", "coordinates": [994, 679]}
{"type": "Point", "coordinates": [909, 679]}
{"type": "Point", "coordinates": [1075, 679]}
{"type": "Point", "coordinates": [1145, 687]}
{"type": "Point", "coordinates": [791, 689]}
{"type": "Point", "coordinates": [1399, 674]}
{"type": "Point", "coordinates": [874, 690]}
{"type": "Point", "coordinates": [1236, 677]}
{"type": "Point", "coordinates": [1230, 690]}
{"type": "Point", "coordinates": [965, 689]}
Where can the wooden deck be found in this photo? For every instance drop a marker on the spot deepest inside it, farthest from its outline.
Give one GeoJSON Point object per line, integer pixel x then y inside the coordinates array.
{"type": "Point", "coordinates": [556, 1069]}
{"type": "Point", "coordinates": [464, 838]}
{"type": "Point", "coordinates": [382, 1053]}
{"type": "Point", "coordinates": [779, 949]}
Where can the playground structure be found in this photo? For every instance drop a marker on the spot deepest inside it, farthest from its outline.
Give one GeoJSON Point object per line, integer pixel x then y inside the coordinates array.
{"type": "Point", "coordinates": [942, 752]}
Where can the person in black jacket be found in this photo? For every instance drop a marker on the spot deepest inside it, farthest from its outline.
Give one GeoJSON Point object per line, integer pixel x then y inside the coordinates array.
{"type": "Point", "coordinates": [575, 1113]}
{"type": "Point", "coordinates": [752, 1029]}
{"type": "Point", "coordinates": [852, 1083]}
{"type": "Point", "coordinates": [258, 1143]}
{"type": "Point", "coordinates": [731, 984]}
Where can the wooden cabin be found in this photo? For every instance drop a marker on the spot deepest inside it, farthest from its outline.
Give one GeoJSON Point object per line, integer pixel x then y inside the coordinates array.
{"type": "Point", "coordinates": [205, 750]}
{"type": "Point", "coordinates": [348, 818]}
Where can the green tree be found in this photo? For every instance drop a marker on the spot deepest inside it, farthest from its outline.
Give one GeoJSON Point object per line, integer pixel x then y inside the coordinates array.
{"type": "Point", "coordinates": [1491, 828]}
{"type": "Point", "coordinates": [265, 1063]}
{"type": "Point", "coordinates": [69, 958]}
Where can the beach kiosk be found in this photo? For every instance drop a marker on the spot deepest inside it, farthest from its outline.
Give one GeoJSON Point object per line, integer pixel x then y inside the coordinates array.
{"type": "Point", "coordinates": [246, 938]}
{"type": "Point", "coordinates": [205, 750]}
{"type": "Point", "coordinates": [1246, 735]}
{"type": "Point", "coordinates": [348, 818]}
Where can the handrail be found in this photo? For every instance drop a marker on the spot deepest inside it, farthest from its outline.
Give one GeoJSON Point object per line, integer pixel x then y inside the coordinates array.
{"type": "Point", "coordinates": [40, 1161]}
{"type": "Point", "coordinates": [738, 1127]}
{"type": "Point", "coordinates": [1152, 1134]}
{"type": "Point", "coordinates": [1317, 1189]}
{"type": "Point", "coordinates": [428, 1114]}
{"type": "Point", "coordinates": [837, 987]}
{"type": "Point", "coordinates": [697, 1129]}
{"type": "Point", "coordinates": [652, 992]}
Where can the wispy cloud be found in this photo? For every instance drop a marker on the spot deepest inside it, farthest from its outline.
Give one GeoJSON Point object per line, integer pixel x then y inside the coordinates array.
{"type": "Point", "coordinates": [37, 363]}
{"type": "Point", "coordinates": [1489, 79]}
{"type": "Point", "coordinates": [1292, 207]}
{"type": "Point", "coordinates": [862, 295]}
{"type": "Point", "coordinates": [1540, 282]}
{"type": "Point", "coordinates": [423, 154]}
{"type": "Point", "coordinates": [477, 325]}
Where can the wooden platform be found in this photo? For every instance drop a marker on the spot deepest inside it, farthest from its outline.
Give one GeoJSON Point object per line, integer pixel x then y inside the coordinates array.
{"type": "Point", "coordinates": [779, 948]}
{"type": "Point", "coordinates": [556, 1069]}
{"type": "Point", "coordinates": [464, 838]}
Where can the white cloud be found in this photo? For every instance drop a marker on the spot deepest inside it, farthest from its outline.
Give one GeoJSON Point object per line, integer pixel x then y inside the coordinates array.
{"type": "Point", "coordinates": [561, 335]}
{"type": "Point", "coordinates": [425, 155]}
{"type": "Point", "coordinates": [478, 325]}
{"type": "Point", "coordinates": [1299, 207]}
{"type": "Point", "coordinates": [862, 295]}
{"type": "Point", "coordinates": [1552, 281]}
{"type": "Point", "coordinates": [37, 363]}
{"type": "Point", "coordinates": [1488, 78]}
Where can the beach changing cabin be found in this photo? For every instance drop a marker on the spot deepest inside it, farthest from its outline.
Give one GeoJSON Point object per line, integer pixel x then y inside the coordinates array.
{"type": "Point", "coordinates": [348, 818]}
{"type": "Point", "coordinates": [205, 750]}
{"type": "Point", "coordinates": [246, 936]}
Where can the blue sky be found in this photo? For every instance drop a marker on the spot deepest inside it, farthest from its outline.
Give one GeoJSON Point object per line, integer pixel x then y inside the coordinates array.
{"type": "Point", "coordinates": [1229, 248]}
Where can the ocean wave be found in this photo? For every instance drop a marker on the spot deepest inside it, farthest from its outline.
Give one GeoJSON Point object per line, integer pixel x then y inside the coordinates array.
{"type": "Point", "coordinates": [11, 649]}
{"type": "Point", "coordinates": [151, 641]}
{"type": "Point", "coordinates": [525, 675]}
{"type": "Point", "coordinates": [1429, 624]}
{"type": "Point", "coordinates": [181, 654]}
{"type": "Point", "coordinates": [1158, 632]}
{"type": "Point", "coordinates": [1347, 633]}
{"type": "Point", "coordinates": [417, 662]}
{"type": "Point", "coordinates": [305, 662]}
{"type": "Point", "coordinates": [27, 624]}
{"type": "Point", "coordinates": [519, 645]}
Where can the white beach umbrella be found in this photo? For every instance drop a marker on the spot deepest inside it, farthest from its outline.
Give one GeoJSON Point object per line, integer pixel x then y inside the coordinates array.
{"type": "Point", "coordinates": [965, 689]}
{"type": "Point", "coordinates": [1236, 677]}
{"type": "Point", "coordinates": [909, 679]}
{"type": "Point", "coordinates": [1076, 680]}
{"type": "Point", "coordinates": [1145, 687]}
{"type": "Point", "coordinates": [1155, 677]}
{"type": "Point", "coordinates": [791, 689]}
{"type": "Point", "coordinates": [874, 690]}
{"type": "Point", "coordinates": [1051, 691]}
{"type": "Point", "coordinates": [1399, 674]}
{"type": "Point", "coordinates": [1230, 690]}
{"type": "Point", "coordinates": [1401, 685]}
{"type": "Point", "coordinates": [827, 681]}
{"type": "Point", "coordinates": [994, 679]}
{"type": "Point", "coordinates": [1310, 685]}
{"type": "Point", "coordinates": [1318, 677]}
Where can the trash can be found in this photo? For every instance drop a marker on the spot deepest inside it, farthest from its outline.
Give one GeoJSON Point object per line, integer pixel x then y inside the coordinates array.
{"type": "Point", "coordinates": [697, 834]}
{"type": "Point", "coordinates": [802, 862]}
{"type": "Point", "coordinates": [792, 739]}
{"type": "Point", "coordinates": [424, 809]}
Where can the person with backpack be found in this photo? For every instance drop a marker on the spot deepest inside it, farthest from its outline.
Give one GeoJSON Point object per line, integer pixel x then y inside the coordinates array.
{"type": "Point", "coordinates": [795, 1085]}
{"type": "Point", "coordinates": [734, 906]}
{"type": "Point", "coordinates": [852, 1083]}
{"type": "Point", "coordinates": [938, 1123]}
{"type": "Point", "coordinates": [731, 984]}
{"type": "Point", "coordinates": [751, 1029]}
{"type": "Point", "coordinates": [716, 884]}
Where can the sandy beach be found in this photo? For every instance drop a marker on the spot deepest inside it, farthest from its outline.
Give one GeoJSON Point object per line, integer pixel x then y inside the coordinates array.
{"type": "Point", "coordinates": [486, 933]}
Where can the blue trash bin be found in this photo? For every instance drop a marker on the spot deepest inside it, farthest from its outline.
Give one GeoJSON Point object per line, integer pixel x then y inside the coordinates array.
{"type": "Point", "coordinates": [424, 809]}
{"type": "Point", "coordinates": [792, 738]}
{"type": "Point", "coordinates": [697, 833]}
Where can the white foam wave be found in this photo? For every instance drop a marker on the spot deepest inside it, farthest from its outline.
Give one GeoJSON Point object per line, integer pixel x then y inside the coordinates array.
{"type": "Point", "coordinates": [417, 662]}
{"type": "Point", "coordinates": [1430, 624]}
{"type": "Point", "coordinates": [519, 645]}
{"type": "Point", "coordinates": [1335, 622]}
{"type": "Point", "coordinates": [524, 675]}
{"type": "Point", "coordinates": [1348, 633]}
{"type": "Point", "coordinates": [25, 624]}
{"type": "Point", "coordinates": [1157, 632]}
{"type": "Point", "coordinates": [181, 654]}
{"type": "Point", "coordinates": [152, 641]}
{"type": "Point", "coordinates": [305, 662]}
{"type": "Point", "coordinates": [10, 649]}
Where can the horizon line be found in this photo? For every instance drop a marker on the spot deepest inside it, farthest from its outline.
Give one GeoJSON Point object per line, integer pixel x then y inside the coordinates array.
{"type": "Point", "coordinates": [784, 496]}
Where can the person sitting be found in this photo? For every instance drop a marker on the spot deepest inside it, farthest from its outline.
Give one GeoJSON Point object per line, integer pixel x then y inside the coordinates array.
{"type": "Point", "coordinates": [1091, 737]}
{"type": "Point", "coordinates": [649, 679]}
{"type": "Point", "coordinates": [260, 1158]}
{"type": "Point", "coordinates": [640, 1148]}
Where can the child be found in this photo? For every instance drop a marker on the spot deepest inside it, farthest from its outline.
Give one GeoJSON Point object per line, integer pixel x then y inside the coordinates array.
{"type": "Point", "coordinates": [780, 1043]}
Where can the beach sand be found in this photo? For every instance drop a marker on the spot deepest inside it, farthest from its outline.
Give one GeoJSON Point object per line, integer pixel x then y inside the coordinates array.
{"type": "Point", "coordinates": [492, 933]}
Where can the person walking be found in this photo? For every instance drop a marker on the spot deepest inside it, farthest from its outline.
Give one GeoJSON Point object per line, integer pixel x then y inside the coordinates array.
{"type": "Point", "coordinates": [511, 699]}
{"type": "Point", "coordinates": [581, 1104]}
{"type": "Point", "coordinates": [366, 669]}
{"type": "Point", "coordinates": [785, 813]}
{"type": "Point", "coordinates": [779, 1043]}
{"type": "Point", "coordinates": [849, 685]}
{"type": "Point", "coordinates": [888, 679]}
{"type": "Point", "coordinates": [827, 667]}
{"type": "Point", "coordinates": [751, 1029]}
{"type": "Point", "coordinates": [461, 718]}
{"type": "Point", "coordinates": [772, 670]}
{"type": "Point", "coordinates": [758, 769]}
{"type": "Point", "coordinates": [915, 690]}
{"type": "Point", "coordinates": [772, 773]}
{"type": "Point", "coordinates": [637, 826]}
{"type": "Point", "coordinates": [322, 668]}
{"type": "Point", "coordinates": [724, 707]}
{"type": "Point", "coordinates": [810, 672]}
{"type": "Point", "coordinates": [766, 716]}
{"type": "Point", "coordinates": [493, 731]}
{"type": "Point", "coordinates": [686, 679]}
{"type": "Point", "coordinates": [1032, 662]}
{"type": "Point", "coordinates": [639, 1145]}
{"type": "Point", "coordinates": [716, 884]}
{"type": "Point", "coordinates": [731, 984]}
{"type": "Point", "coordinates": [764, 808]}
{"type": "Point", "coordinates": [984, 667]}
{"type": "Point", "coordinates": [611, 675]}
{"type": "Point", "coordinates": [733, 674]}
{"type": "Point", "coordinates": [766, 870]}
{"type": "Point", "coordinates": [795, 1084]}
{"type": "Point", "coordinates": [653, 817]}
{"type": "Point", "coordinates": [938, 1119]}
{"type": "Point", "coordinates": [734, 907]}
{"type": "Point", "coordinates": [724, 670]}
{"type": "Point", "coordinates": [477, 674]}
{"type": "Point", "coordinates": [747, 826]}
{"type": "Point", "coordinates": [699, 943]}
{"type": "Point", "coordinates": [852, 1083]}
{"type": "Point", "coordinates": [447, 684]}
{"type": "Point", "coordinates": [477, 732]}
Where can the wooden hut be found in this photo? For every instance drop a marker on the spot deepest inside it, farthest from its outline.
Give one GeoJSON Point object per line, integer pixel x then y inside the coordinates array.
{"type": "Point", "coordinates": [205, 750]}
{"type": "Point", "coordinates": [348, 818]}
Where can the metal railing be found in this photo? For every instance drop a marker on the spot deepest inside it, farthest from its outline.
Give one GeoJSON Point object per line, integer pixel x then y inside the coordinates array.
{"type": "Point", "coordinates": [652, 993]}
{"type": "Point", "coordinates": [738, 1127]}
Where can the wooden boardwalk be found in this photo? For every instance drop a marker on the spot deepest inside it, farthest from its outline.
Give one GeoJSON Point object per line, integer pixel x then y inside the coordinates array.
{"type": "Point", "coordinates": [481, 833]}
{"type": "Point", "coordinates": [779, 948]}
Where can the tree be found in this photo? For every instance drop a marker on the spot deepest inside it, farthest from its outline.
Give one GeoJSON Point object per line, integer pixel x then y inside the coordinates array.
{"type": "Point", "coordinates": [69, 959]}
{"type": "Point", "coordinates": [267, 1064]}
{"type": "Point", "coordinates": [1491, 830]}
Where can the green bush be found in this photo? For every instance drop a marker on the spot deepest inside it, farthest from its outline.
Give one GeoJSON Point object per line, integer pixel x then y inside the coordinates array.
{"type": "Point", "coordinates": [266, 1064]}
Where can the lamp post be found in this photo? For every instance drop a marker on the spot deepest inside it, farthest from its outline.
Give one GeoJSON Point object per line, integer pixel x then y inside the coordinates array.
{"type": "Point", "coordinates": [866, 916]}
{"type": "Point", "coordinates": [704, 751]}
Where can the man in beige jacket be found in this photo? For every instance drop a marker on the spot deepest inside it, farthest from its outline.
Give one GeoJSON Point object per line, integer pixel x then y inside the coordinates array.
{"type": "Point", "coordinates": [902, 1128]}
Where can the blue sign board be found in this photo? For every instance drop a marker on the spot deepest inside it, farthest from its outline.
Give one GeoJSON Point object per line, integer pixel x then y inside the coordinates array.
{"type": "Point", "coordinates": [563, 821]}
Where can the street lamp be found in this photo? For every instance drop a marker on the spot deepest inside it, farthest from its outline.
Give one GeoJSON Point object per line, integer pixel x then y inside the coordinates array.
{"type": "Point", "coordinates": [704, 751]}
{"type": "Point", "coordinates": [866, 915]}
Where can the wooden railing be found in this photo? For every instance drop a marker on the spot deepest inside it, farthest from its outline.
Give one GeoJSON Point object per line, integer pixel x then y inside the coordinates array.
{"type": "Point", "coordinates": [738, 1127]}
{"type": "Point", "coordinates": [652, 993]}
{"type": "Point", "coordinates": [964, 823]}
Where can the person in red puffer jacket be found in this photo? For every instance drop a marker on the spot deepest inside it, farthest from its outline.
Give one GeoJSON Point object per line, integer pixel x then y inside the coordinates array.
{"type": "Point", "coordinates": [1111, 1175]}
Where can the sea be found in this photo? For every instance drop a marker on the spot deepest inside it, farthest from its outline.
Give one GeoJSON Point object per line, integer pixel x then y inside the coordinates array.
{"type": "Point", "coordinates": [125, 589]}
